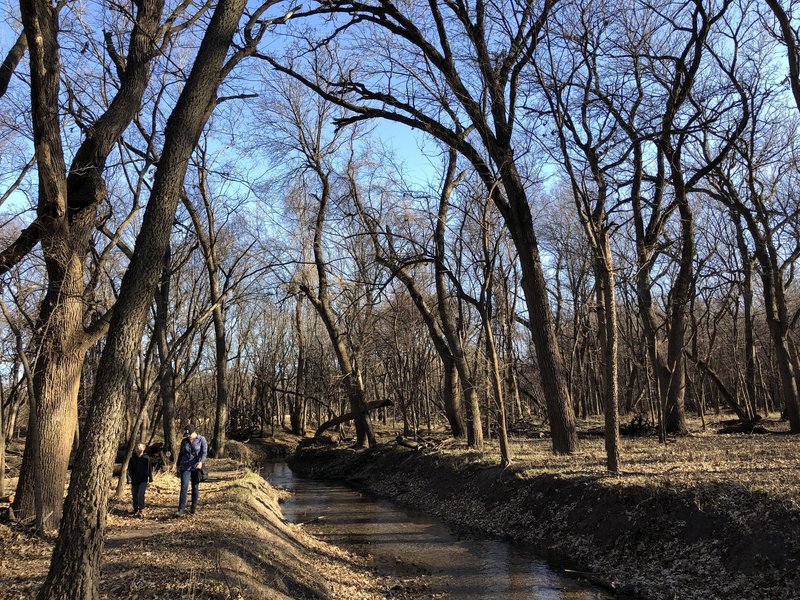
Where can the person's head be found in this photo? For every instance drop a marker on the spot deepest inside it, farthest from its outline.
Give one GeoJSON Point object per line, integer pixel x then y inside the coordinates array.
{"type": "Point", "coordinates": [140, 449]}
{"type": "Point", "coordinates": [190, 431]}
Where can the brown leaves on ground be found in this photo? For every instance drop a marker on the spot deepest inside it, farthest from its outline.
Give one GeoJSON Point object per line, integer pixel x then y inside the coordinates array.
{"type": "Point", "coordinates": [704, 516]}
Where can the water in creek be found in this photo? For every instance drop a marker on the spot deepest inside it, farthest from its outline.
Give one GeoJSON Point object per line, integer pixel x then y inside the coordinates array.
{"type": "Point", "coordinates": [405, 543]}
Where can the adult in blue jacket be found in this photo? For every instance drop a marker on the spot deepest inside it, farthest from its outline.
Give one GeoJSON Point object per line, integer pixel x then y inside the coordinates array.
{"type": "Point", "coordinates": [191, 458]}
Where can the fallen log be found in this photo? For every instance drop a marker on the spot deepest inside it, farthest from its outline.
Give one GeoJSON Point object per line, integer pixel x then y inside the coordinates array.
{"type": "Point", "coordinates": [726, 394]}
{"type": "Point", "coordinates": [401, 441]}
{"type": "Point", "coordinates": [350, 416]}
{"type": "Point", "coordinates": [748, 426]}
{"type": "Point", "coordinates": [322, 440]}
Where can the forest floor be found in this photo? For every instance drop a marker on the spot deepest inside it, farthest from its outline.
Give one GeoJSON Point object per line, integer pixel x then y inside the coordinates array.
{"type": "Point", "coordinates": [704, 516]}
{"type": "Point", "coordinates": [237, 546]}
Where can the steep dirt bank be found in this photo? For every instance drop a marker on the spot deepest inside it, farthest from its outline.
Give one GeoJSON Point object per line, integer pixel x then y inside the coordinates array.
{"type": "Point", "coordinates": [237, 546]}
{"type": "Point", "coordinates": [666, 535]}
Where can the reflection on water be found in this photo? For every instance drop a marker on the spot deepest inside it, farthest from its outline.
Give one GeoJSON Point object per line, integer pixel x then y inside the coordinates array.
{"type": "Point", "coordinates": [406, 542]}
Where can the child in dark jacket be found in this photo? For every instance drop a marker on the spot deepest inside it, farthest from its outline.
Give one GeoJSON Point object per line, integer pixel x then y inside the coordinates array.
{"type": "Point", "coordinates": [140, 472]}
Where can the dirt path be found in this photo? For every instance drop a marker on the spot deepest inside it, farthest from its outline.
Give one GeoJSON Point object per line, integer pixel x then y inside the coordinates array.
{"type": "Point", "coordinates": [237, 546]}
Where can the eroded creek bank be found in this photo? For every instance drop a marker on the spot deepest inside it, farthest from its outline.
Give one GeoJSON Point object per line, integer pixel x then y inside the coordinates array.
{"type": "Point", "coordinates": [647, 541]}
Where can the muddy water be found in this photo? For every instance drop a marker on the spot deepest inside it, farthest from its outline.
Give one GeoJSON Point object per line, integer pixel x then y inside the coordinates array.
{"type": "Point", "coordinates": [408, 543]}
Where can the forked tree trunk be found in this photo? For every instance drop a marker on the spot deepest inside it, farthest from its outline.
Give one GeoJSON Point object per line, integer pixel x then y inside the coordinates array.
{"type": "Point", "coordinates": [66, 216]}
{"type": "Point", "coordinates": [470, 397]}
{"type": "Point", "coordinates": [321, 301]}
{"type": "Point", "coordinates": [75, 568]}
{"type": "Point", "coordinates": [497, 390]}
{"type": "Point", "coordinates": [675, 408]}
{"type": "Point", "coordinates": [747, 301]}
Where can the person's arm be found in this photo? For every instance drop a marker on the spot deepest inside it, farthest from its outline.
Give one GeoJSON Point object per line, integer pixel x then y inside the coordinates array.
{"type": "Point", "coordinates": [178, 460]}
{"type": "Point", "coordinates": [203, 452]}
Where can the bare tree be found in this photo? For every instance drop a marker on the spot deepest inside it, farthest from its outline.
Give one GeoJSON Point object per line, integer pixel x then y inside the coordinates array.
{"type": "Point", "coordinates": [456, 77]}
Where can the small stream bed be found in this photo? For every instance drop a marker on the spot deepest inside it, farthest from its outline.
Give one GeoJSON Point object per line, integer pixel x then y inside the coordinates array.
{"type": "Point", "coordinates": [409, 543]}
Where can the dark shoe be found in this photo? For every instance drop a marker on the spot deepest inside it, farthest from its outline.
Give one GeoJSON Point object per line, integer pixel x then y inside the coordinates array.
{"type": "Point", "coordinates": [192, 510]}
{"type": "Point", "coordinates": [136, 513]}
{"type": "Point", "coordinates": [179, 512]}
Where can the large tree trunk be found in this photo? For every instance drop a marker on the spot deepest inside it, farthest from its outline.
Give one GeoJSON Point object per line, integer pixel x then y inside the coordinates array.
{"type": "Point", "coordinates": [518, 219]}
{"type": "Point", "coordinates": [75, 568]}
{"type": "Point", "coordinates": [56, 378]}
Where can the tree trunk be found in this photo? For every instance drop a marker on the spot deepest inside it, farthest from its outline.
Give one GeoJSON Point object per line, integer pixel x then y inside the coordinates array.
{"type": "Point", "coordinates": [497, 390]}
{"type": "Point", "coordinates": [609, 339]}
{"type": "Point", "coordinates": [166, 372]}
{"type": "Point", "coordinates": [675, 408]}
{"type": "Point", "coordinates": [351, 376]}
{"type": "Point", "coordinates": [75, 568]}
{"type": "Point", "coordinates": [470, 397]}
{"type": "Point", "coordinates": [518, 219]}
{"type": "Point", "coordinates": [206, 239]}
{"type": "Point", "coordinates": [747, 300]}
{"type": "Point", "coordinates": [221, 358]}
{"type": "Point", "coordinates": [297, 418]}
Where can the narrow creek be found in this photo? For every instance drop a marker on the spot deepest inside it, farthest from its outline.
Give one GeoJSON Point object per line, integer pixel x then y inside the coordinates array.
{"type": "Point", "coordinates": [408, 543]}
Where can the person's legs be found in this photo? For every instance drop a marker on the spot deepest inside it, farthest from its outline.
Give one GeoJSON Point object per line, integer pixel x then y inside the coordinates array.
{"type": "Point", "coordinates": [140, 495]}
{"type": "Point", "coordinates": [195, 488]}
{"type": "Point", "coordinates": [185, 476]}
